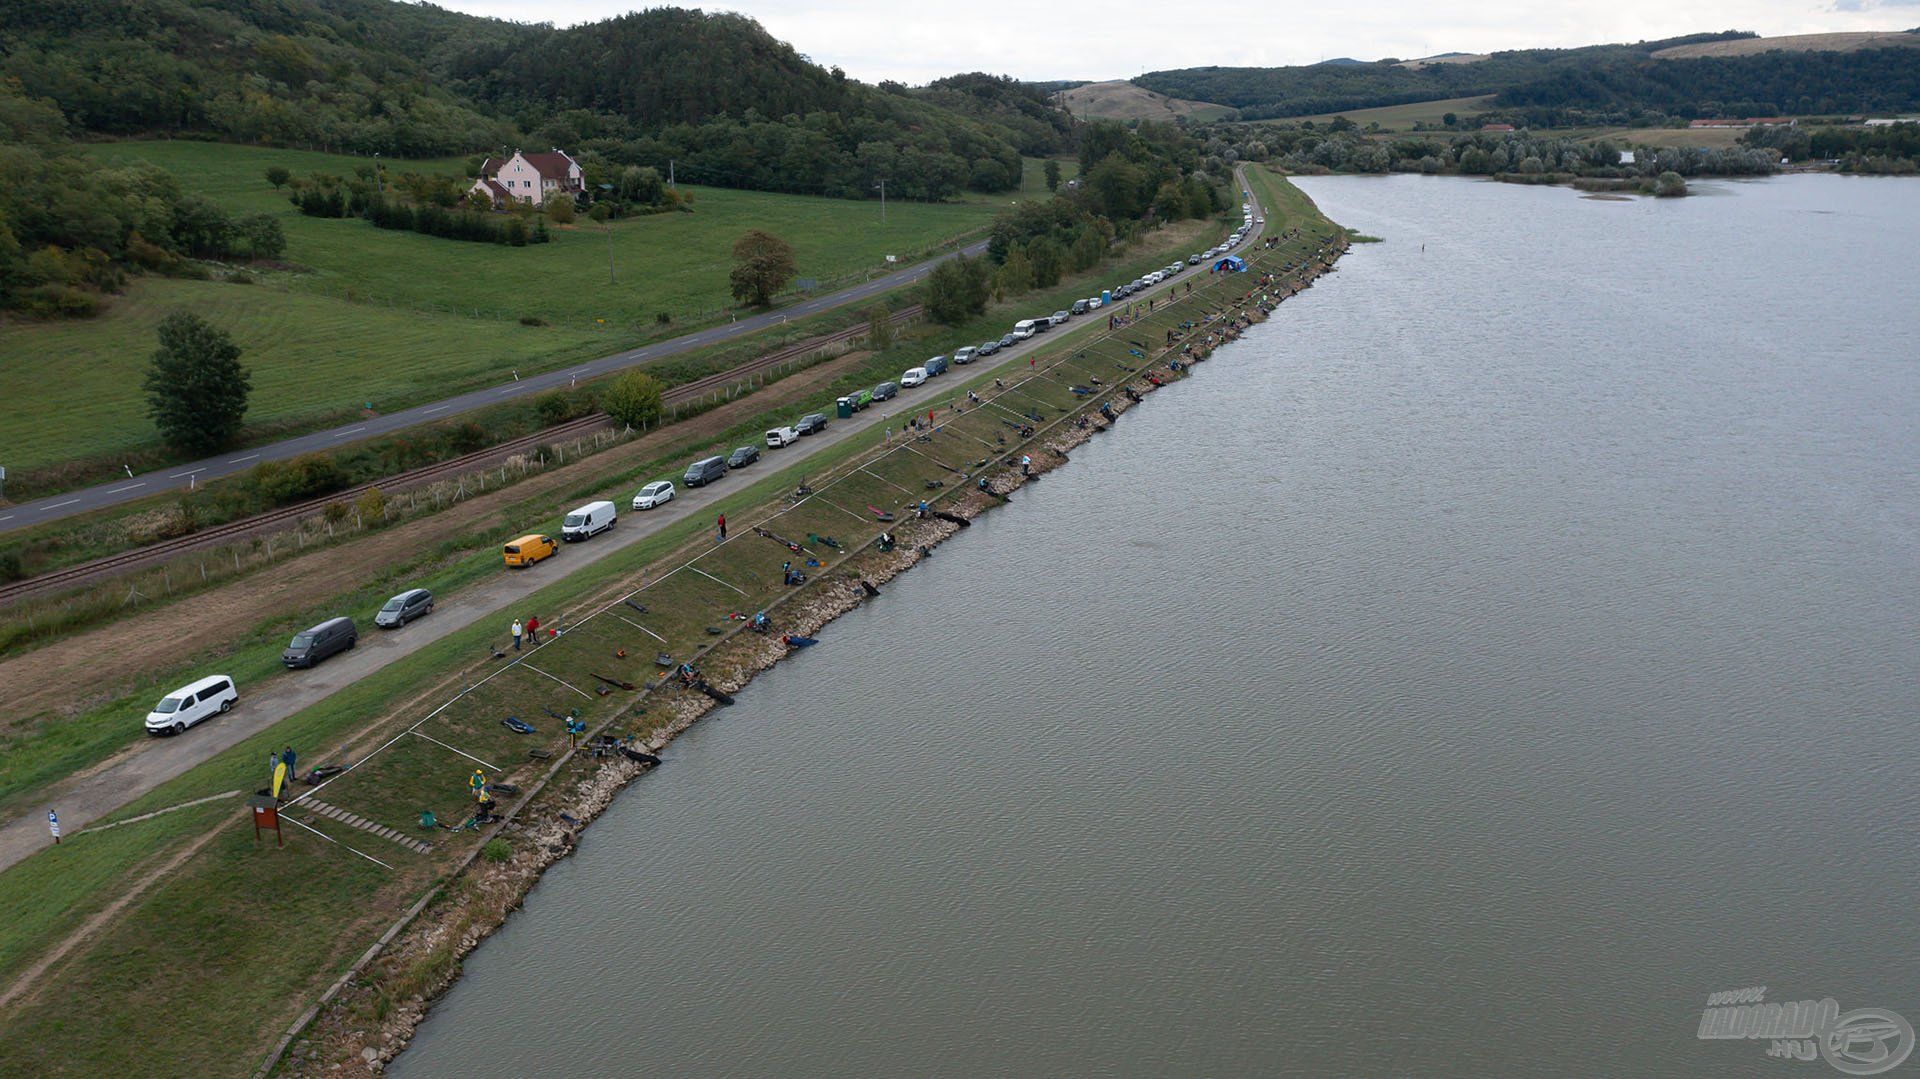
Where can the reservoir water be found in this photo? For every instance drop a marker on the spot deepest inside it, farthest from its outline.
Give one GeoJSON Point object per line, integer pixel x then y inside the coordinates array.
{"type": "Point", "coordinates": [1508, 645]}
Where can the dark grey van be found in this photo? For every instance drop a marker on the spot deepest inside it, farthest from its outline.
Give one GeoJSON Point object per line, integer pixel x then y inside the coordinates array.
{"type": "Point", "coordinates": [935, 366]}
{"type": "Point", "coordinates": [705, 471]}
{"type": "Point", "coordinates": [886, 391]}
{"type": "Point", "coordinates": [309, 647]}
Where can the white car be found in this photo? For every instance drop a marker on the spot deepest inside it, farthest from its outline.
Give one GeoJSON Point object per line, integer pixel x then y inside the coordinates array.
{"type": "Point", "coordinates": [1094, 303]}
{"type": "Point", "coordinates": [653, 494]}
{"type": "Point", "coordinates": [913, 376]}
{"type": "Point", "coordinates": [781, 436]}
{"type": "Point", "coordinates": [192, 703]}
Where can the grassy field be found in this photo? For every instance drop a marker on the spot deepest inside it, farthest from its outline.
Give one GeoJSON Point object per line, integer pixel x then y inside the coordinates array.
{"type": "Point", "coordinates": [237, 938]}
{"type": "Point", "coordinates": [1403, 117]}
{"type": "Point", "coordinates": [395, 318]}
{"type": "Point", "coordinates": [675, 263]}
{"type": "Point", "coordinates": [1121, 100]}
{"type": "Point", "coordinates": [1710, 138]}
{"type": "Point", "coordinates": [73, 389]}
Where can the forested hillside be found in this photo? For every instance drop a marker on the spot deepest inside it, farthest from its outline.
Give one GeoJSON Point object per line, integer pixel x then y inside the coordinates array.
{"type": "Point", "coordinates": [726, 101]}
{"type": "Point", "coordinates": [1613, 79]}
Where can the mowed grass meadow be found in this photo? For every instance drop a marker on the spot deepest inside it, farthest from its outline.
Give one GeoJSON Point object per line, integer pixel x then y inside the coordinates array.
{"type": "Point", "coordinates": [1403, 117]}
{"type": "Point", "coordinates": [395, 318]}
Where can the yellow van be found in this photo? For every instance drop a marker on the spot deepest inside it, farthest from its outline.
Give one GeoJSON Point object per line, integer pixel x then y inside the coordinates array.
{"type": "Point", "coordinates": [529, 549]}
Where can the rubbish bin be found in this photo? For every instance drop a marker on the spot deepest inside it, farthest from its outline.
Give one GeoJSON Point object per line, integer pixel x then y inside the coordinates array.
{"type": "Point", "coordinates": [845, 407]}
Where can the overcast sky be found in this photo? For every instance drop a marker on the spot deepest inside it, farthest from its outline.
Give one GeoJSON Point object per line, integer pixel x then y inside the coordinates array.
{"type": "Point", "coordinates": [1107, 39]}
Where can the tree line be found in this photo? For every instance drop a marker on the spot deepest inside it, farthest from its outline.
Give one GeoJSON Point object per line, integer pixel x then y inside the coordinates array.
{"type": "Point", "coordinates": [713, 93]}
{"type": "Point", "coordinates": [1569, 87]}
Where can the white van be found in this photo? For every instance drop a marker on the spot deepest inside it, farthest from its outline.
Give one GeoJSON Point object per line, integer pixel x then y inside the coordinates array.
{"type": "Point", "coordinates": [192, 703]}
{"type": "Point", "coordinates": [781, 436]}
{"type": "Point", "coordinates": [1025, 328]}
{"type": "Point", "coordinates": [588, 521]}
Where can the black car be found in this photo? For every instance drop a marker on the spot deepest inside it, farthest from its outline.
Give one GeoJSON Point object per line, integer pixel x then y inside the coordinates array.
{"type": "Point", "coordinates": [811, 423]}
{"type": "Point", "coordinates": [743, 457]}
{"type": "Point", "coordinates": [886, 391]}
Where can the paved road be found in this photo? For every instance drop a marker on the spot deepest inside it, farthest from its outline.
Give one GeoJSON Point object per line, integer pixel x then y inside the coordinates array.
{"type": "Point", "coordinates": [150, 762]}
{"type": "Point", "coordinates": [54, 507]}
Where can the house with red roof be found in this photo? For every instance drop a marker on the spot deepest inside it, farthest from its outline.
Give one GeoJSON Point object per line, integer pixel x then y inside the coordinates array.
{"type": "Point", "coordinates": [529, 178]}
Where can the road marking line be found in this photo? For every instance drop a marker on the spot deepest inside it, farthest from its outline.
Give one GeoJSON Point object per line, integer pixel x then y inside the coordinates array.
{"type": "Point", "coordinates": [556, 678]}
{"type": "Point", "coordinates": [188, 472]}
{"type": "Point", "coordinates": [128, 487]}
{"type": "Point", "coordinates": [462, 752]}
{"type": "Point", "coordinates": [349, 431]}
{"type": "Point", "coordinates": [68, 502]}
{"type": "Point", "coordinates": [434, 409]}
{"type": "Point", "coordinates": [248, 457]}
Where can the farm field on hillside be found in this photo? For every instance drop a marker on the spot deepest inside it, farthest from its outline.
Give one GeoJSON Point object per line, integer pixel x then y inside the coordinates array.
{"type": "Point", "coordinates": [675, 263]}
{"type": "Point", "coordinates": [1403, 117]}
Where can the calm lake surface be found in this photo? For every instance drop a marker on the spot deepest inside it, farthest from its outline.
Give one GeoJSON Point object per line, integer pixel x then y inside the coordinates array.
{"type": "Point", "coordinates": [1503, 648]}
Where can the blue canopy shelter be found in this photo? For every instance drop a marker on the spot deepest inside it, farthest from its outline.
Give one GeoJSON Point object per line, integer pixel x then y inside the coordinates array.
{"type": "Point", "coordinates": [1230, 264]}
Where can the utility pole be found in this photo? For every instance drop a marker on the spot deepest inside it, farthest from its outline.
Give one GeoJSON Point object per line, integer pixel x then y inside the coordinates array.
{"type": "Point", "coordinates": [608, 225]}
{"type": "Point", "coordinates": [669, 172]}
{"type": "Point", "coordinates": [882, 185]}
{"type": "Point", "coordinates": [377, 179]}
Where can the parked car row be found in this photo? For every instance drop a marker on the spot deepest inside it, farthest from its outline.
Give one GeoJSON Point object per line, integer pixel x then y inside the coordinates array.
{"type": "Point", "coordinates": [214, 694]}
{"type": "Point", "coordinates": [198, 701]}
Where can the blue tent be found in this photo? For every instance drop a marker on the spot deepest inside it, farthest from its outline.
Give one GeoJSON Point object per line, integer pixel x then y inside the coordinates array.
{"type": "Point", "coordinates": [1230, 264]}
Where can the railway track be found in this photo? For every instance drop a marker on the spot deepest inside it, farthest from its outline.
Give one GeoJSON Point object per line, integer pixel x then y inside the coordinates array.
{"type": "Point", "coordinates": [683, 394]}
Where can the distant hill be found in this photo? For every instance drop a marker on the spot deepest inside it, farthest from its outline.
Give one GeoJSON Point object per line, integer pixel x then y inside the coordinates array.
{"type": "Point", "coordinates": [1127, 101]}
{"type": "Point", "coordinates": [1731, 73]}
{"type": "Point", "coordinates": [1340, 61]}
{"type": "Point", "coordinates": [1843, 42]}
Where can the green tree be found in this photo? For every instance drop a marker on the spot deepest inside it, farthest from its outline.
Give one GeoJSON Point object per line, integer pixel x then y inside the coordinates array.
{"type": "Point", "coordinates": [265, 238]}
{"type": "Point", "coordinates": [633, 399]}
{"type": "Point", "coordinates": [1048, 261]}
{"type": "Point", "coordinates": [879, 327]}
{"type": "Point", "coordinates": [763, 264]}
{"type": "Point", "coordinates": [1016, 274]}
{"type": "Point", "coordinates": [1669, 185]}
{"type": "Point", "coordinates": [278, 175]}
{"type": "Point", "coordinates": [946, 293]}
{"type": "Point", "coordinates": [1052, 171]}
{"type": "Point", "coordinates": [196, 388]}
{"type": "Point", "coordinates": [560, 211]}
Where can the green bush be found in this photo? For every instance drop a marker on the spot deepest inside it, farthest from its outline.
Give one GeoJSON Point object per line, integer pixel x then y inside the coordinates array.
{"type": "Point", "coordinates": [496, 850]}
{"type": "Point", "coordinates": [554, 407]}
{"type": "Point", "coordinates": [307, 475]}
{"type": "Point", "coordinates": [10, 568]}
